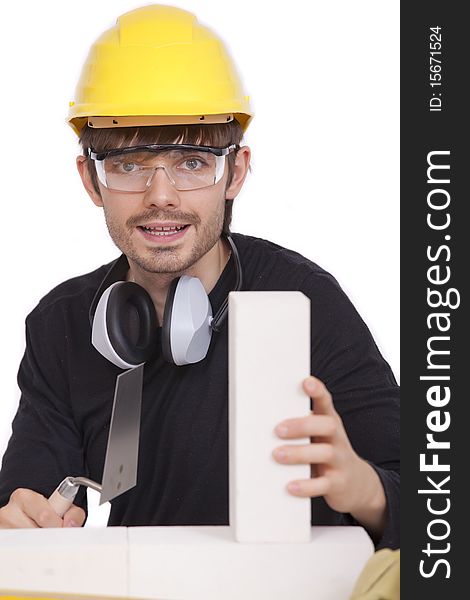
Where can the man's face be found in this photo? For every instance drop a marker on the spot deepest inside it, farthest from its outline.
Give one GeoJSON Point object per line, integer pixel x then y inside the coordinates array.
{"type": "Point", "coordinates": [193, 220]}
{"type": "Point", "coordinates": [164, 230]}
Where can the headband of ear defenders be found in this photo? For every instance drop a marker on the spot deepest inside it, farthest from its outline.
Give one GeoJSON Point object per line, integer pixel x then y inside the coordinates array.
{"type": "Point", "coordinates": [124, 322]}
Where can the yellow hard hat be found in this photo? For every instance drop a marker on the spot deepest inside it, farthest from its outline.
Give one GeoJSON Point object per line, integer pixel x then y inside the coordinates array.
{"type": "Point", "coordinates": [157, 66]}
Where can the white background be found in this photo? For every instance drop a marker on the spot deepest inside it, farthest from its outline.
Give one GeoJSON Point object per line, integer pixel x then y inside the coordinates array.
{"type": "Point", "coordinates": [323, 78]}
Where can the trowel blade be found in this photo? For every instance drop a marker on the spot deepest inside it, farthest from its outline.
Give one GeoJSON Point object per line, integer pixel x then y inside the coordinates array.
{"type": "Point", "coordinates": [120, 465]}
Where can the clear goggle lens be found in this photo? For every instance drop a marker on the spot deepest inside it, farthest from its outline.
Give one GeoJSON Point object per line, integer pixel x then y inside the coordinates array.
{"type": "Point", "coordinates": [187, 169]}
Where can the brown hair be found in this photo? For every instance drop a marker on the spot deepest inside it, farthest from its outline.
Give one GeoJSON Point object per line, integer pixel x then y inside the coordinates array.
{"type": "Point", "coordinates": [218, 135]}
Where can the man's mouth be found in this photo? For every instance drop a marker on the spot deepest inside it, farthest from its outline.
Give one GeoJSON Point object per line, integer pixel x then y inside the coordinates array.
{"type": "Point", "coordinates": [163, 231]}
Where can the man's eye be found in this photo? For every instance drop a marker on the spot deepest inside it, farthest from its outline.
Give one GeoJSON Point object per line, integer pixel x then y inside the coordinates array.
{"type": "Point", "coordinates": [192, 164]}
{"type": "Point", "coordinates": [120, 166]}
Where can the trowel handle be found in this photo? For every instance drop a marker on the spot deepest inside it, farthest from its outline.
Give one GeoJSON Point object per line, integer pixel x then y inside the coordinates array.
{"type": "Point", "coordinates": [62, 498]}
{"type": "Point", "coordinates": [59, 503]}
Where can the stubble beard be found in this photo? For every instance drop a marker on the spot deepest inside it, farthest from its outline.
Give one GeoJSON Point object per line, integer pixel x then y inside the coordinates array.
{"type": "Point", "coordinates": [166, 259]}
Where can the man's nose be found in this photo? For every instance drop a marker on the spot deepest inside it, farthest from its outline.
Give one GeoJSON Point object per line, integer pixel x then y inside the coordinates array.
{"type": "Point", "coordinates": [161, 191]}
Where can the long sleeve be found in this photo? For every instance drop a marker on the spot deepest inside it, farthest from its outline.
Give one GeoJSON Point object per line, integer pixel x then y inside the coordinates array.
{"type": "Point", "coordinates": [365, 393]}
{"type": "Point", "coordinates": [45, 445]}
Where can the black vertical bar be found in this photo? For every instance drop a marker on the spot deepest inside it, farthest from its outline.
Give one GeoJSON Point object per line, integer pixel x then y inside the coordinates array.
{"type": "Point", "coordinates": [434, 292]}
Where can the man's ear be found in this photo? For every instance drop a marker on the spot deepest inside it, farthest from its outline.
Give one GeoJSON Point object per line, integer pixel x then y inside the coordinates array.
{"type": "Point", "coordinates": [240, 170]}
{"type": "Point", "coordinates": [84, 173]}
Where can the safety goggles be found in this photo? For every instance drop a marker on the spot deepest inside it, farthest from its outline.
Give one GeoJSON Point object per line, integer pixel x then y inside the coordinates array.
{"type": "Point", "coordinates": [187, 166]}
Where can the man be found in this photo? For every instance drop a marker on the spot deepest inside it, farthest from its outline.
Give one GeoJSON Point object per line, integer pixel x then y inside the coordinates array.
{"type": "Point", "coordinates": [161, 115]}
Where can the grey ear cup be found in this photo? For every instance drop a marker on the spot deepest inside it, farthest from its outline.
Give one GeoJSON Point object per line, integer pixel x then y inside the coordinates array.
{"type": "Point", "coordinates": [124, 325]}
{"type": "Point", "coordinates": [186, 330]}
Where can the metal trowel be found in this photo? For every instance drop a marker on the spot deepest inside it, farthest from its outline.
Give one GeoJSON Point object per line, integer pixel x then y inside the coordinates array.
{"type": "Point", "coordinates": [120, 465]}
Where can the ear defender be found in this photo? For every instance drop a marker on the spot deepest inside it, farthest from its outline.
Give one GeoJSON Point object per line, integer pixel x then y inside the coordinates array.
{"type": "Point", "coordinates": [124, 321]}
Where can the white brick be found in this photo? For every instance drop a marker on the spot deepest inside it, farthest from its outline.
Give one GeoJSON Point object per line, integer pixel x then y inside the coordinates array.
{"type": "Point", "coordinates": [269, 356]}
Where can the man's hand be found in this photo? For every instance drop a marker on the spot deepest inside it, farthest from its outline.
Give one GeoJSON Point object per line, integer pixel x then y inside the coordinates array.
{"type": "Point", "coordinates": [347, 482]}
{"type": "Point", "coordinates": [30, 509]}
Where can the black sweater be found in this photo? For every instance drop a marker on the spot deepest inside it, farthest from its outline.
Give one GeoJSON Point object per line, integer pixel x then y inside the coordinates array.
{"type": "Point", "coordinates": [62, 423]}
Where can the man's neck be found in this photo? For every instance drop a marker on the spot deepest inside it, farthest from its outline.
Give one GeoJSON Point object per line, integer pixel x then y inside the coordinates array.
{"type": "Point", "coordinates": [208, 269]}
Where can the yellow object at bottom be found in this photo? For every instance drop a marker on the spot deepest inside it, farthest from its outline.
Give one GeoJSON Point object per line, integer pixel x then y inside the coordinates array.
{"type": "Point", "coordinates": [380, 578]}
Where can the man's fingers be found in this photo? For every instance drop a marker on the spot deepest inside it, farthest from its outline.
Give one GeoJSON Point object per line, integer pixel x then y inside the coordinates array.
{"type": "Point", "coordinates": [322, 400]}
{"type": "Point", "coordinates": [36, 507]}
{"type": "Point", "coordinates": [310, 488]}
{"type": "Point", "coordinates": [28, 509]}
{"type": "Point", "coordinates": [324, 422]}
{"type": "Point", "coordinates": [305, 454]}
{"type": "Point", "coordinates": [309, 426]}
{"type": "Point", "coordinates": [74, 517]}
{"type": "Point", "coordinates": [12, 517]}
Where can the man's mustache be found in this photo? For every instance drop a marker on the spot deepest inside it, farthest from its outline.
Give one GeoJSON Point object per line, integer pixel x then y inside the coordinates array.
{"type": "Point", "coordinates": [161, 215]}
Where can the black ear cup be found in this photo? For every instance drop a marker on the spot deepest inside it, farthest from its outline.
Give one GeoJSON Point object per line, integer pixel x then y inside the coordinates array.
{"type": "Point", "coordinates": [131, 322]}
